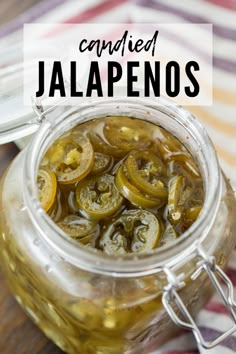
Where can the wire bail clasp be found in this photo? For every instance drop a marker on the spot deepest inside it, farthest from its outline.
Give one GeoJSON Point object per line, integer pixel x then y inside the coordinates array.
{"type": "Point", "coordinates": [171, 297]}
{"type": "Point", "coordinates": [50, 103]}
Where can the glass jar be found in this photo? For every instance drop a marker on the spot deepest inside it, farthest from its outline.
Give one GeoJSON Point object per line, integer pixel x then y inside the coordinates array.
{"type": "Point", "coordinates": [90, 302]}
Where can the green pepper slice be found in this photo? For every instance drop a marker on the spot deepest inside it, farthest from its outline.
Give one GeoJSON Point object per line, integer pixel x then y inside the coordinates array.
{"type": "Point", "coordinates": [98, 196]}
{"type": "Point", "coordinates": [168, 236]}
{"type": "Point", "coordinates": [144, 169]}
{"type": "Point", "coordinates": [102, 163]}
{"type": "Point", "coordinates": [47, 187]}
{"type": "Point", "coordinates": [136, 231]}
{"type": "Point", "coordinates": [59, 208]}
{"type": "Point", "coordinates": [171, 141]}
{"type": "Point", "coordinates": [71, 157]}
{"type": "Point", "coordinates": [176, 187]}
{"type": "Point", "coordinates": [191, 215]}
{"type": "Point", "coordinates": [186, 162]}
{"type": "Point", "coordinates": [127, 134]}
{"type": "Point", "coordinates": [102, 146]}
{"type": "Point", "coordinates": [79, 228]}
{"type": "Point", "coordinates": [132, 193]}
{"type": "Point", "coordinates": [168, 144]}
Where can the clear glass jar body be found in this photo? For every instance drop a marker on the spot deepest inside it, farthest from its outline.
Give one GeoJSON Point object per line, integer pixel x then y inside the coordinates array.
{"type": "Point", "coordinates": [86, 306]}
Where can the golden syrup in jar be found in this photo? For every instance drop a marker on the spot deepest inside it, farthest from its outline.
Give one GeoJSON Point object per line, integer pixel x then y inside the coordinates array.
{"type": "Point", "coordinates": [123, 185]}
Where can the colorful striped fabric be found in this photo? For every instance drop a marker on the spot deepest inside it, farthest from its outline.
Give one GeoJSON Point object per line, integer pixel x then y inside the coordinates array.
{"type": "Point", "coordinates": [220, 122]}
{"type": "Point", "coordinates": [219, 119]}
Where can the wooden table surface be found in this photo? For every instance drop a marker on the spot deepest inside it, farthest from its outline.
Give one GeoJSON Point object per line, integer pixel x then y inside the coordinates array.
{"type": "Point", "coordinates": [18, 335]}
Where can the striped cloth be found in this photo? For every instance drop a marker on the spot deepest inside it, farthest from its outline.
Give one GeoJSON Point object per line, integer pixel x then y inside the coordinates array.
{"type": "Point", "coordinates": [219, 119]}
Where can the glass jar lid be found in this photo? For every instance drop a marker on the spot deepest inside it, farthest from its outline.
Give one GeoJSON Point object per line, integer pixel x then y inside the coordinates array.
{"type": "Point", "coordinates": [17, 119]}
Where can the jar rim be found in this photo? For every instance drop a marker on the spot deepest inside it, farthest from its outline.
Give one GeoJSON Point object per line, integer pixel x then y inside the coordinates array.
{"type": "Point", "coordinates": [131, 265]}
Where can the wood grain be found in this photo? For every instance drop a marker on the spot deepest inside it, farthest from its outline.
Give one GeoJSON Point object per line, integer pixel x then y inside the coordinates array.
{"type": "Point", "coordinates": [18, 335]}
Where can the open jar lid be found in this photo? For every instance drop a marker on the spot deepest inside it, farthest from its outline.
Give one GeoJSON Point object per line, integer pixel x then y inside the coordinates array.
{"type": "Point", "coordinates": [17, 119]}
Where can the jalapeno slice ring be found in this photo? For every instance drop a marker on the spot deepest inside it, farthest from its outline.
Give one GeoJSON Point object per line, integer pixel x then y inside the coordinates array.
{"type": "Point", "coordinates": [98, 196]}
{"type": "Point", "coordinates": [59, 208]}
{"type": "Point", "coordinates": [132, 193]}
{"type": "Point", "coordinates": [100, 145]}
{"type": "Point", "coordinates": [144, 169]}
{"type": "Point", "coordinates": [168, 143]}
{"type": "Point", "coordinates": [186, 162]}
{"type": "Point", "coordinates": [168, 236]}
{"type": "Point", "coordinates": [102, 163]}
{"type": "Point", "coordinates": [47, 187]}
{"type": "Point", "coordinates": [136, 231]}
{"type": "Point", "coordinates": [126, 134]}
{"type": "Point", "coordinates": [191, 214]}
{"type": "Point", "coordinates": [78, 228]}
{"type": "Point", "coordinates": [71, 157]}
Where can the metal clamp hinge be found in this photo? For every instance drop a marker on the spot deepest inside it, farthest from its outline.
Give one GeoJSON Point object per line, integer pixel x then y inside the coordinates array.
{"type": "Point", "coordinates": [171, 297]}
{"type": "Point", "coordinates": [38, 107]}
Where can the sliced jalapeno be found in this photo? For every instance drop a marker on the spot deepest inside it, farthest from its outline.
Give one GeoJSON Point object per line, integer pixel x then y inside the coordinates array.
{"type": "Point", "coordinates": [176, 187]}
{"type": "Point", "coordinates": [103, 168]}
{"type": "Point", "coordinates": [104, 147]}
{"type": "Point", "coordinates": [126, 133]}
{"type": "Point", "coordinates": [71, 157]}
{"type": "Point", "coordinates": [135, 231]}
{"type": "Point", "coordinates": [186, 162]}
{"type": "Point", "coordinates": [98, 196]}
{"type": "Point", "coordinates": [47, 187]}
{"type": "Point", "coordinates": [168, 144]}
{"type": "Point", "coordinates": [102, 163]}
{"type": "Point", "coordinates": [170, 140]}
{"type": "Point", "coordinates": [144, 171]}
{"type": "Point", "coordinates": [79, 228]}
{"type": "Point", "coordinates": [192, 214]}
{"type": "Point", "coordinates": [186, 196]}
{"type": "Point", "coordinates": [132, 193]}
{"type": "Point", "coordinates": [168, 236]}
{"type": "Point", "coordinates": [59, 208]}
